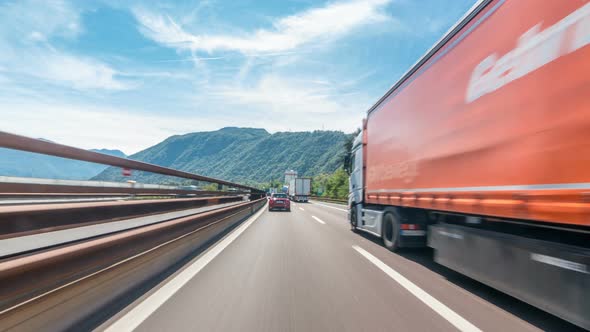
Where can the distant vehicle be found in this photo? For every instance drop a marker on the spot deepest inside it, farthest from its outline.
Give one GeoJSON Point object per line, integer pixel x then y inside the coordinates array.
{"type": "Point", "coordinates": [481, 152]}
{"type": "Point", "coordinates": [300, 189]}
{"type": "Point", "coordinates": [279, 201]}
{"type": "Point", "coordinates": [190, 187]}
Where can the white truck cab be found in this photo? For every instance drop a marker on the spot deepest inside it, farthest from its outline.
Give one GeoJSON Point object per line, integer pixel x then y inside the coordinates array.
{"type": "Point", "coordinates": [368, 220]}
{"type": "Point", "coordinates": [397, 227]}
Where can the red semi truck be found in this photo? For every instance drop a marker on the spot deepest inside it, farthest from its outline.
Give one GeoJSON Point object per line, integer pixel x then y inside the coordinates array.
{"type": "Point", "coordinates": [482, 152]}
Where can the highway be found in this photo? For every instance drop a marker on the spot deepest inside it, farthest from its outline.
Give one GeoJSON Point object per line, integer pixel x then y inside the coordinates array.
{"type": "Point", "coordinates": [306, 271]}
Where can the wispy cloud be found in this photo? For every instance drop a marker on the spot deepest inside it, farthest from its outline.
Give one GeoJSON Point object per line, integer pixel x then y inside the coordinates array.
{"type": "Point", "coordinates": [280, 95]}
{"type": "Point", "coordinates": [297, 104]}
{"type": "Point", "coordinates": [25, 40]}
{"type": "Point", "coordinates": [38, 18]}
{"type": "Point", "coordinates": [77, 72]}
{"type": "Point", "coordinates": [318, 24]}
{"type": "Point", "coordinates": [264, 88]}
{"type": "Point", "coordinates": [319, 67]}
{"type": "Point", "coordinates": [225, 57]}
{"type": "Point", "coordinates": [90, 126]}
{"type": "Point", "coordinates": [192, 59]}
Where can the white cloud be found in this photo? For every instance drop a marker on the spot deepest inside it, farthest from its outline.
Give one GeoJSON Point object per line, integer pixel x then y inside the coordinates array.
{"type": "Point", "coordinates": [26, 49]}
{"type": "Point", "coordinates": [37, 36]}
{"type": "Point", "coordinates": [318, 24]}
{"type": "Point", "coordinates": [40, 18]}
{"type": "Point", "coordinates": [78, 72]}
{"type": "Point", "coordinates": [281, 95]}
{"type": "Point", "coordinates": [88, 126]}
{"type": "Point", "coordinates": [64, 69]}
{"type": "Point", "coordinates": [291, 104]}
{"type": "Point", "coordinates": [274, 104]}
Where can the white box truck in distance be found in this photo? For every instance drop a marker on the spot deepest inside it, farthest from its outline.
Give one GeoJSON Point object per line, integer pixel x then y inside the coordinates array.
{"type": "Point", "coordinates": [300, 189]}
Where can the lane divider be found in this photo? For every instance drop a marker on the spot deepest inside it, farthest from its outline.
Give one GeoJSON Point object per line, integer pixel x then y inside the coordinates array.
{"type": "Point", "coordinates": [319, 220]}
{"type": "Point", "coordinates": [459, 322]}
{"type": "Point", "coordinates": [331, 207]}
{"type": "Point", "coordinates": [132, 319]}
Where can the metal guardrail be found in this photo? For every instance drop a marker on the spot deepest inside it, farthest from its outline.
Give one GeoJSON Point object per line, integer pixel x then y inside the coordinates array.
{"type": "Point", "coordinates": [18, 142]}
{"type": "Point", "coordinates": [15, 186]}
{"type": "Point", "coordinates": [73, 283]}
{"type": "Point", "coordinates": [330, 200]}
{"type": "Point", "coordinates": [27, 219]}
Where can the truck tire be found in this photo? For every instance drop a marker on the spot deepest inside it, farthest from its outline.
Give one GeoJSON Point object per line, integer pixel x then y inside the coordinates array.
{"type": "Point", "coordinates": [353, 219]}
{"type": "Point", "coordinates": [390, 230]}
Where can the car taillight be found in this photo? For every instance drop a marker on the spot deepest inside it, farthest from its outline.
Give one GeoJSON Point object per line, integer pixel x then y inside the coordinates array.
{"type": "Point", "coordinates": [410, 226]}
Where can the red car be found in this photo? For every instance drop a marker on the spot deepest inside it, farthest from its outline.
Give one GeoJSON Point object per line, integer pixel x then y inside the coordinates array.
{"type": "Point", "coordinates": [279, 202]}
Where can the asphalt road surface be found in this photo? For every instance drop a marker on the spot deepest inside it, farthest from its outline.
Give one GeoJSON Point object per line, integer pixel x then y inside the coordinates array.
{"type": "Point", "coordinates": [306, 271]}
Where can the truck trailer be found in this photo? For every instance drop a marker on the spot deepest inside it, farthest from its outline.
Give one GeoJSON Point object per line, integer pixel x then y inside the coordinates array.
{"type": "Point", "coordinates": [482, 152]}
{"type": "Point", "coordinates": [300, 189]}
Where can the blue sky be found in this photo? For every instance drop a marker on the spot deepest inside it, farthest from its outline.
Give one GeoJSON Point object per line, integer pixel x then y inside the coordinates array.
{"type": "Point", "coordinates": [128, 74]}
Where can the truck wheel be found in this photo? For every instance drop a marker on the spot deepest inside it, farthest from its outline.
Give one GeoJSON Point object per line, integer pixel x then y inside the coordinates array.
{"type": "Point", "coordinates": [353, 219]}
{"type": "Point", "coordinates": [390, 230]}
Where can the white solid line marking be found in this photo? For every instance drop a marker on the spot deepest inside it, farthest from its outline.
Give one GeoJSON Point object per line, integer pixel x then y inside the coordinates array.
{"type": "Point", "coordinates": [318, 220]}
{"type": "Point", "coordinates": [331, 207]}
{"type": "Point", "coordinates": [143, 310]}
{"type": "Point", "coordinates": [459, 322]}
{"type": "Point", "coordinates": [300, 208]}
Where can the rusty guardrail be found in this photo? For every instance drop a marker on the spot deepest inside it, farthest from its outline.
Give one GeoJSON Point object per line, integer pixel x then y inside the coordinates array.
{"type": "Point", "coordinates": [330, 200]}
{"type": "Point", "coordinates": [26, 219]}
{"type": "Point", "coordinates": [23, 143]}
{"type": "Point", "coordinates": [39, 189]}
{"type": "Point", "coordinates": [65, 287]}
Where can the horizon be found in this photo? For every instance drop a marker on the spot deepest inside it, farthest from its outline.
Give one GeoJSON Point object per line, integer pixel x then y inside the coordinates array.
{"type": "Point", "coordinates": [106, 75]}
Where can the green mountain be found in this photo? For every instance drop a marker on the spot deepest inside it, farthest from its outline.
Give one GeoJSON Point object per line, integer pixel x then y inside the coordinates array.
{"type": "Point", "coordinates": [245, 155]}
{"type": "Point", "coordinates": [28, 164]}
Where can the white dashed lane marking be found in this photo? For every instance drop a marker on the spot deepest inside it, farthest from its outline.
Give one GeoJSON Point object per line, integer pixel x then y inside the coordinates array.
{"type": "Point", "coordinates": [459, 322]}
{"type": "Point", "coordinates": [318, 220]}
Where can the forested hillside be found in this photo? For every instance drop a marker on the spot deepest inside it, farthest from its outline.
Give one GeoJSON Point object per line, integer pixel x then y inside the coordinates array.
{"type": "Point", "coordinates": [245, 155]}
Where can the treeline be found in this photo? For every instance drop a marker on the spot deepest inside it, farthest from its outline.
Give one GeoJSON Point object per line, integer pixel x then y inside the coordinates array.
{"type": "Point", "coordinates": [333, 185]}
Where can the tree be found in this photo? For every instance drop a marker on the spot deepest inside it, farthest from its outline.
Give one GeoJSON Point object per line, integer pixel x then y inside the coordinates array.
{"type": "Point", "coordinates": [337, 184]}
{"type": "Point", "coordinates": [272, 184]}
{"type": "Point", "coordinates": [210, 187]}
{"type": "Point", "coordinates": [318, 184]}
